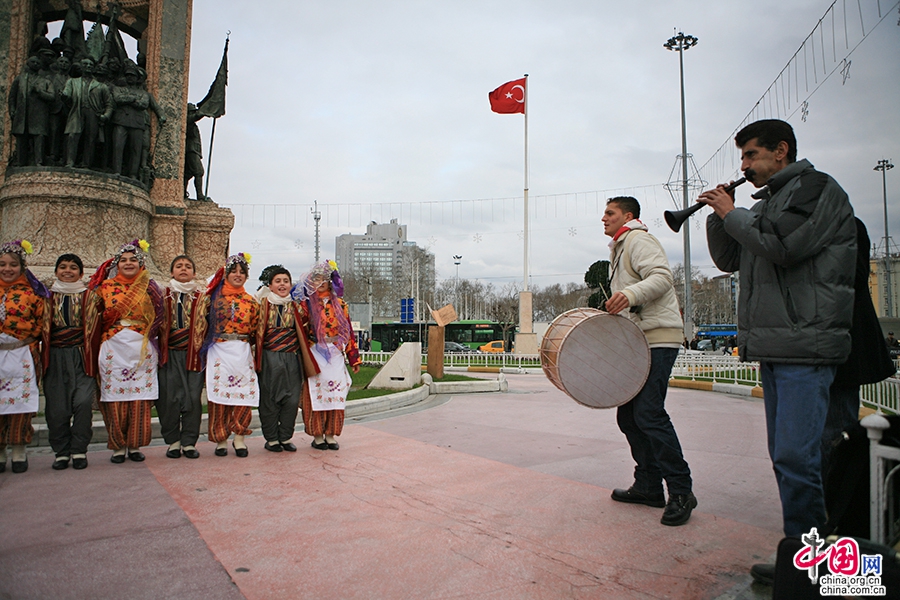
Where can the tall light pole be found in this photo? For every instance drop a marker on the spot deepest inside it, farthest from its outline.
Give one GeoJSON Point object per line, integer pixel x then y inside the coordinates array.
{"type": "Point", "coordinates": [680, 43]}
{"type": "Point", "coordinates": [884, 166]}
{"type": "Point", "coordinates": [457, 258]}
{"type": "Point", "coordinates": [317, 216]}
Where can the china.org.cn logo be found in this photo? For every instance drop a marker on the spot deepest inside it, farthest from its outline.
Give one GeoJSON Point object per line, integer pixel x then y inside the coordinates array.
{"type": "Point", "coordinates": [850, 573]}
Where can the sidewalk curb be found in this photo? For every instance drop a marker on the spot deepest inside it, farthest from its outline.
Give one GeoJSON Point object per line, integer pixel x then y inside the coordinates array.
{"type": "Point", "coordinates": [724, 388]}
{"type": "Point", "coordinates": [355, 408]}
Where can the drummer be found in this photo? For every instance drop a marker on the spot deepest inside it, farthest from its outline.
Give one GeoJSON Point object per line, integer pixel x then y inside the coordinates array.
{"type": "Point", "coordinates": [641, 282]}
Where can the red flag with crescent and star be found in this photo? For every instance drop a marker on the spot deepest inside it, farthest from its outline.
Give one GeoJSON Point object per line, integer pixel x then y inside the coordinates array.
{"type": "Point", "coordinates": [509, 98]}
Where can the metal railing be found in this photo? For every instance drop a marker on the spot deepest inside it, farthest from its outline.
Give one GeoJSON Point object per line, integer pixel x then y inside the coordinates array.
{"type": "Point", "coordinates": [504, 360]}
{"type": "Point", "coordinates": [716, 368]}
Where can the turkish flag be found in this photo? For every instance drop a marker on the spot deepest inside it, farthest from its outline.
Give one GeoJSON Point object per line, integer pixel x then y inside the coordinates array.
{"type": "Point", "coordinates": [509, 98]}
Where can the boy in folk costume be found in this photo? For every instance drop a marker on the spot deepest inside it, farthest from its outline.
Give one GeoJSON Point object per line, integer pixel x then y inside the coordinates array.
{"type": "Point", "coordinates": [224, 327]}
{"type": "Point", "coordinates": [132, 314]}
{"type": "Point", "coordinates": [330, 332]}
{"type": "Point", "coordinates": [178, 406]}
{"type": "Point", "coordinates": [282, 357]}
{"type": "Point", "coordinates": [21, 318]}
{"type": "Point", "coordinates": [70, 384]}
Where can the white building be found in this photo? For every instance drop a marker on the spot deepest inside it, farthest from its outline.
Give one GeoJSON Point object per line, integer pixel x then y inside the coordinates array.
{"type": "Point", "coordinates": [378, 251]}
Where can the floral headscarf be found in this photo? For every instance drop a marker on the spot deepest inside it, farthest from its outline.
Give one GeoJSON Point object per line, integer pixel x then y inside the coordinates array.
{"type": "Point", "coordinates": [23, 248]}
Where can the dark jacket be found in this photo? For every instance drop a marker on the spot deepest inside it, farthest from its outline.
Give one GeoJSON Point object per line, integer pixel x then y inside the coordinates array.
{"type": "Point", "coordinates": [796, 252]}
{"type": "Point", "coordinates": [869, 361]}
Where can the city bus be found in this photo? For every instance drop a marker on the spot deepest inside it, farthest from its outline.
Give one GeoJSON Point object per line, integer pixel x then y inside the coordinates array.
{"type": "Point", "coordinates": [470, 333]}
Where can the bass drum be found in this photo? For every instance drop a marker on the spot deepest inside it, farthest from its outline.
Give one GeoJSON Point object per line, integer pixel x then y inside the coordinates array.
{"type": "Point", "coordinates": [598, 359]}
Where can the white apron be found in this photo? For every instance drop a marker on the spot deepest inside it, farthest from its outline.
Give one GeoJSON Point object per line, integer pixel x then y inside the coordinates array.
{"type": "Point", "coordinates": [123, 376]}
{"type": "Point", "coordinates": [18, 379]}
{"type": "Point", "coordinates": [230, 376]}
{"type": "Point", "coordinates": [329, 389]}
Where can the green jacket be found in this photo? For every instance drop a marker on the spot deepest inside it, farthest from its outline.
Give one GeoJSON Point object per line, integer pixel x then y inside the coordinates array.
{"type": "Point", "coordinates": [796, 253]}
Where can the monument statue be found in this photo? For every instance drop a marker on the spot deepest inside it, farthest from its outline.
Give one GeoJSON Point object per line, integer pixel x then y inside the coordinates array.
{"type": "Point", "coordinates": [30, 96]}
{"type": "Point", "coordinates": [90, 107]}
{"type": "Point", "coordinates": [82, 159]}
{"type": "Point", "coordinates": [128, 119]}
{"type": "Point", "coordinates": [58, 115]}
{"type": "Point", "coordinates": [193, 152]}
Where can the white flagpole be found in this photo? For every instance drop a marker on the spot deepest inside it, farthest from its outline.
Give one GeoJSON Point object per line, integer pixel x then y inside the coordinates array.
{"type": "Point", "coordinates": [525, 285]}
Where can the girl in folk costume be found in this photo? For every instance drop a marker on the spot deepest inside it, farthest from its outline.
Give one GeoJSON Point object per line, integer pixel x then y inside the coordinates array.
{"type": "Point", "coordinates": [323, 409]}
{"type": "Point", "coordinates": [21, 318]}
{"type": "Point", "coordinates": [224, 337]}
{"type": "Point", "coordinates": [282, 357]}
{"type": "Point", "coordinates": [70, 384]}
{"type": "Point", "coordinates": [178, 406]}
{"type": "Point", "coordinates": [132, 313]}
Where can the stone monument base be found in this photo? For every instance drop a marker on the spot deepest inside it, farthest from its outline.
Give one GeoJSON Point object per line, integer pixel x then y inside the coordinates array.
{"type": "Point", "coordinates": [61, 210]}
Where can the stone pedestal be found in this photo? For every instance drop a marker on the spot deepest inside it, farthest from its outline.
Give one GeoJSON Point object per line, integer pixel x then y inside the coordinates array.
{"type": "Point", "coordinates": [206, 235]}
{"type": "Point", "coordinates": [61, 211]}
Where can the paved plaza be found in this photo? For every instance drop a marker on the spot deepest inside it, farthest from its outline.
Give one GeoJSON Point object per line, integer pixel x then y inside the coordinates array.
{"type": "Point", "coordinates": [483, 496]}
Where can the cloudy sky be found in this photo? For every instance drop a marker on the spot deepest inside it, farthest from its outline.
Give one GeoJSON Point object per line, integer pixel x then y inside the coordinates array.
{"type": "Point", "coordinates": [379, 110]}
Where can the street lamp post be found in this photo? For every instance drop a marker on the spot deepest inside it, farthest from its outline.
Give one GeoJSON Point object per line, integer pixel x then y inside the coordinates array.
{"type": "Point", "coordinates": [680, 43]}
{"type": "Point", "coordinates": [884, 166]}
{"type": "Point", "coordinates": [457, 258]}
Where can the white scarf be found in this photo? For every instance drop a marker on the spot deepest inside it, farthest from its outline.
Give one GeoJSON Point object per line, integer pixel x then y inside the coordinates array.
{"type": "Point", "coordinates": [62, 287]}
{"type": "Point", "coordinates": [632, 224]}
{"type": "Point", "coordinates": [183, 288]}
{"type": "Point", "coordinates": [277, 300]}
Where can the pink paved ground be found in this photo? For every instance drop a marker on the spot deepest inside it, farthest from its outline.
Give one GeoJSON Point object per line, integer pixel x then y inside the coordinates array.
{"type": "Point", "coordinates": [488, 496]}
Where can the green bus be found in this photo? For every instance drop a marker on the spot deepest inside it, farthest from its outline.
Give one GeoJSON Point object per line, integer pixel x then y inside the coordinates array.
{"type": "Point", "coordinates": [471, 333]}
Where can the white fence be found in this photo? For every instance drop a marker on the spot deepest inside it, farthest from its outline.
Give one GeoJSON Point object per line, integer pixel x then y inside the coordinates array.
{"type": "Point", "coordinates": [716, 368]}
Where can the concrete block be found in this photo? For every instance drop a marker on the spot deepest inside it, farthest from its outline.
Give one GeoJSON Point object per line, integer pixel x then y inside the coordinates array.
{"type": "Point", "coordinates": [402, 371]}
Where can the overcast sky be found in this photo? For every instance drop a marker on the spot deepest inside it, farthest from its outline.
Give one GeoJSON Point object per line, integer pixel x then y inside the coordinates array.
{"type": "Point", "coordinates": [379, 110]}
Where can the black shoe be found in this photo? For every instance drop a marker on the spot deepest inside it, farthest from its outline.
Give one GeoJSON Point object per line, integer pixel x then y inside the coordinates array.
{"type": "Point", "coordinates": [241, 452]}
{"type": "Point", "coordinates": [334, 446]}
{"type": "Point", "coordinates": [192, 453]}
{"type": "Point", "coordinates": [678, 510]}
{"type": "Point", "coordinates": [20, 466]}
{"type": "Point", "coordinates": [173, 453]}
{"type": "Point", "coordinates": [117, 459]}
{"type": "Point", "coordinates": [221, 451]}
{"type": "Point", "coordinates": [763, 573]}
{"type": "Point", "coordinates": [633, 496]}
{"type": "Point", "coordinates": [136, 456]}
{"type": "Point", "coordinates": [79, 463]}
{"type": "Point", "coordinates": [273, 447]}
{"type": "Point", "coordinates": [60, 464]}
{"type": "Point", "coordinates": [322, 446]}
{"type": "Point", "coordinates": [288, 447]}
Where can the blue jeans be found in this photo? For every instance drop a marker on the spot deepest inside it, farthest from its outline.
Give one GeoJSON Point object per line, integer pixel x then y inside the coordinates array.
{"type": "Point", "coordinates": [796, 399]}
{"type": "Point", "coordinates": [650, 433]}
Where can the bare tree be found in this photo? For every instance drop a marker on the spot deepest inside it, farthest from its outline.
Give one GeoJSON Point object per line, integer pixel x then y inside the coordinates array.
{"type": "Point", "coordinates": [712, 301]}
{"type": "Point", "coordinates": [553, 300]}
{"type": "Point", "coordinates": [504, 308]}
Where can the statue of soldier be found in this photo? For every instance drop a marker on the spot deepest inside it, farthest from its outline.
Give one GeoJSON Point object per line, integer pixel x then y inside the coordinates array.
{"type": "Point", "coordinates": [131, 102]}
{"type": "Point", "coordinates": [193, 152]}
{"type": "Point", "coordinates": [160, 118]}
{"type": "Point", "coordinates": [58, 114]}
{"type": "Point", "coordinates": [90, 105]}
{"type": "Point", "coordinates": [30, 96]}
